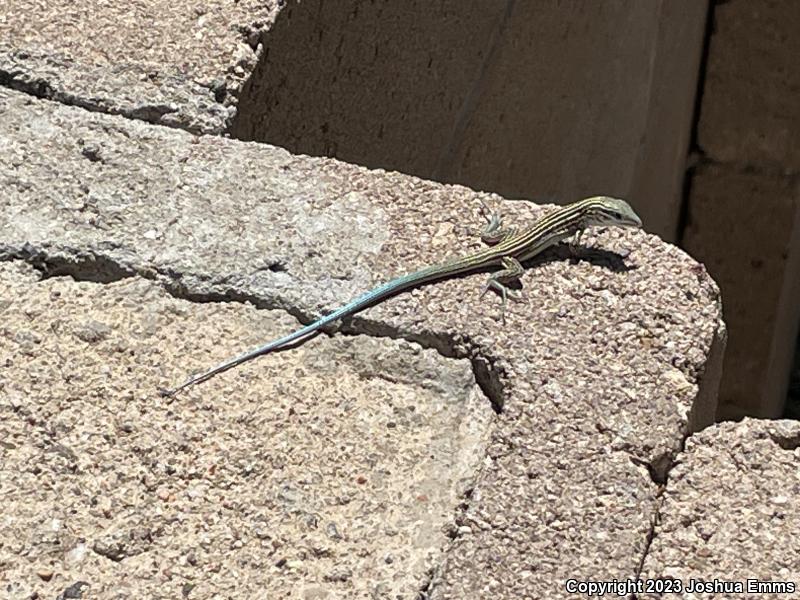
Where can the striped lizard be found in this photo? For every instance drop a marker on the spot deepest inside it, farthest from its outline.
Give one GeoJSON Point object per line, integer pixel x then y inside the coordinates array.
{"type": "Point", "coordinates": [507, 249]}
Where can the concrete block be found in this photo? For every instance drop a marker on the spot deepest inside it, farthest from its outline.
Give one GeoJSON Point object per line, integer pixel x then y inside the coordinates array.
{"type": "Point", "coordinates": [550, 101]}
{"type": "Point", "coordinates": [382, 84]}
{"type": "Point", "coordinates": [173, 63]}
{"type": "Point", "coordinates": [750, 112]}
{"type": "Point", "coordinates": [745, 227]}
{"type": "Point", "coordinates": [545, 100]}
{"type": "Point", "coordinates": [730, 515]}
{"type": "Point", "coordinates": [586, 98]}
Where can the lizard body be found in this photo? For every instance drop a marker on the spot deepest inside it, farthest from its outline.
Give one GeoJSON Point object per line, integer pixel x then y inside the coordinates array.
{"type": "Point", "coordinates": [508, 250]}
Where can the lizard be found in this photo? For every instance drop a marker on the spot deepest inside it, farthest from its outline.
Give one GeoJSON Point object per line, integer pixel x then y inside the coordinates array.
{"type": "Point", "coordinates": [507, 249]}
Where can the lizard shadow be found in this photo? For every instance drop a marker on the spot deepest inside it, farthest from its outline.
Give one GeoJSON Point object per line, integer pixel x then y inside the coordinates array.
{"type": "Point", "coordinates": [607, 259]}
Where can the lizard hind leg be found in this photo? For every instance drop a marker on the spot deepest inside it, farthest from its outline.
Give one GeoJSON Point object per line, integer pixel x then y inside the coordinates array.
{"type": "Point", "coordinates": [511, 271]}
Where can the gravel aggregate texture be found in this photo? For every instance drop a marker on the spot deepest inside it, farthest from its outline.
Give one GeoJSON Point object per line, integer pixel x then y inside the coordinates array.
{"type": "Point", "coordinates": [732, 512]}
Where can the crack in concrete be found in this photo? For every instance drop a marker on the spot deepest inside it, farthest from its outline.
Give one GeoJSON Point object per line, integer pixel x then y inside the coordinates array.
{"type": "Point", "coordinates": [90, 265]}
{"type": "Point", "coordinates": [82, 265]}
{"type": "Point", "coordinates": [40, 87]}
{"type": "Point", "coordinates": [426, 589]}
{"type": "Point", "coordinates": [656, 518]}
{"type": "Point", "coordinates": [94, 266]}
{"type": "Point", "coordinates": [651, 535]}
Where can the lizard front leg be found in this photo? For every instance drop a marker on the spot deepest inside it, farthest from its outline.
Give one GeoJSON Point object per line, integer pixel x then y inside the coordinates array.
{"type": "Point", "coordinates": [574, 243]}
{"type": "Point", "coordinates": [494, 233]}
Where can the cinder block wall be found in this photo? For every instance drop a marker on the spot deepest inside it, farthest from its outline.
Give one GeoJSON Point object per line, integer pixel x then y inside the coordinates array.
{"type": "Point", "coordinates": [543, 100]}
{"type": "Point", "coordinates": [744, 205]}
{"type": "Point", "coordinates": [559, 100]}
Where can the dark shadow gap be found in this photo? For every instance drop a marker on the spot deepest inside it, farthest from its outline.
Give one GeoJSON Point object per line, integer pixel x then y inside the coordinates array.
{"type": "Point", "coordinates": [696, 155]}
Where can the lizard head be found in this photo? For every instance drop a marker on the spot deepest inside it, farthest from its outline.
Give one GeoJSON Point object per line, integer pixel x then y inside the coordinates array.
{"type": "Point", "coordinates": [604, 210]}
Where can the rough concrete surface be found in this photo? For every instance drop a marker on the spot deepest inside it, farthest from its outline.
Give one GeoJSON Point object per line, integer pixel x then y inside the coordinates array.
{"type": "Point", "coordinates": [374, 83]}
{"type": "Point", "coordinates": [523, 98]}
{"type": "Point", "coordinates": [597, 377]}
{"type": "Point", "coordinates": [571, 105]}
{"type": "Point", "coordinates": [750, 114]}
{"type": "Point", "coordinates": [336, 468]}
{"type": "Point", "coordinates": [732, 511]}
{"type": "Point", "coordinates": [165, 62]}
{"type": "Point", "coordinates": [536, 98]}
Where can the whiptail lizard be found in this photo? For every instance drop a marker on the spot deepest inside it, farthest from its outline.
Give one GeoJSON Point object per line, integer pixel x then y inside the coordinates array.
{"type": "Point", "coordinates": [507, 250]}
